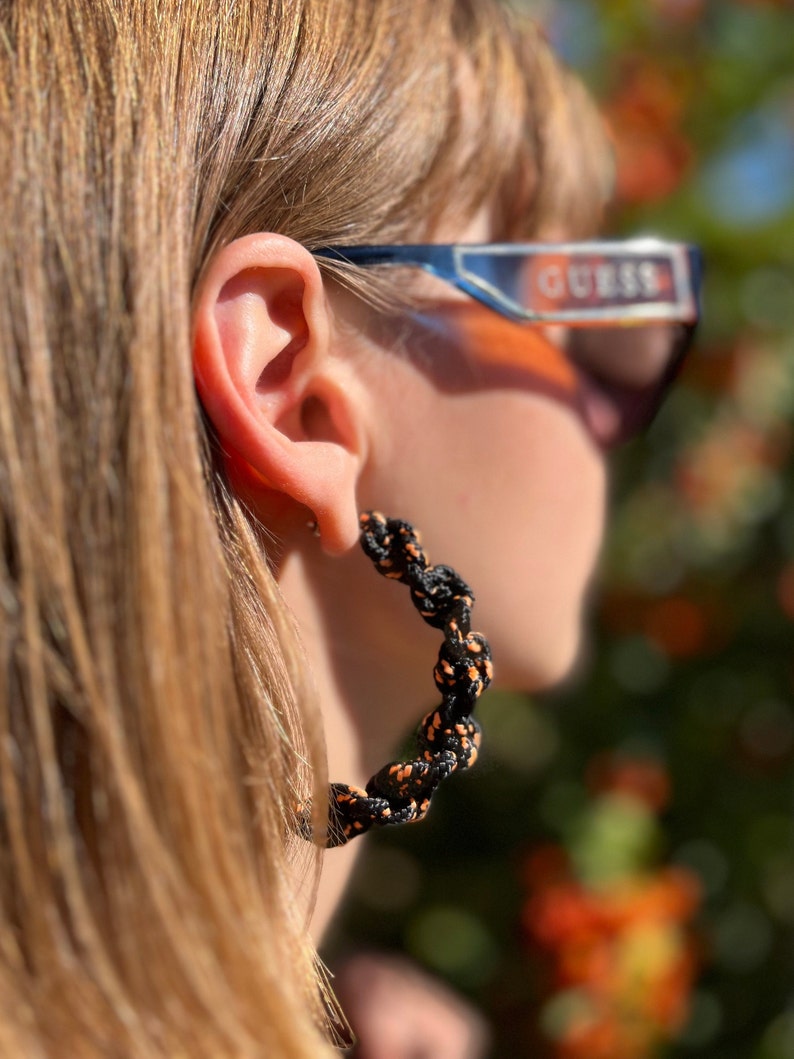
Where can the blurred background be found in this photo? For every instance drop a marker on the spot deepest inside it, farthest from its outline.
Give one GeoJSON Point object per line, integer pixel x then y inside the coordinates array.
{"type": "Point", "coordinates": [615, 880]}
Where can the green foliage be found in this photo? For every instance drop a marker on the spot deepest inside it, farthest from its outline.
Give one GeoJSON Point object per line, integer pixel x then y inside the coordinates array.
{"type": "Point", "coordinates": [691, 656]}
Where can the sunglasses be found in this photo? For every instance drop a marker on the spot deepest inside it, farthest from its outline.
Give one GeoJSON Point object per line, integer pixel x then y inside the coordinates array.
{"type": "Point", "coordinates": [627, 310]}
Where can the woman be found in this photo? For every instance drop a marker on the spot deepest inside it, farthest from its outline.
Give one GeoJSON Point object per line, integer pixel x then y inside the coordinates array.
{"type": "Point", "coordinates": [178, 643]}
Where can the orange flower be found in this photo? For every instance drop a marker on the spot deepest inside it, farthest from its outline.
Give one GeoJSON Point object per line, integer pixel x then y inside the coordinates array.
{"type": "Point", "coordinates": [625, 955]}
{"type": "Point", "coordinates": [716, 474]}
{"type": "Point", "coordinates": [785, 590]}
{"type": "Point", "coordinates": [679, 625]}
{"type": "Point", "coordinates": [644, 114]}
{"type": "Point", "coordinates": [619, 951]}
{"type": "Point", "coordinates": [684, 11]}
{"type": "Point", "coordinates": [642, 778]}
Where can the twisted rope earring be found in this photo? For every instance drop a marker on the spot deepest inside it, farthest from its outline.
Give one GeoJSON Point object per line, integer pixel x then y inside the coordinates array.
{"type": "Point", "coordinates": [447, 738]}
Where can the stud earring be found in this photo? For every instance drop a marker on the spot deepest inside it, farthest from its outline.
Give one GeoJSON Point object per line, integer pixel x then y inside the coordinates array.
{"type": "Point", "coordinates": [447, 738]}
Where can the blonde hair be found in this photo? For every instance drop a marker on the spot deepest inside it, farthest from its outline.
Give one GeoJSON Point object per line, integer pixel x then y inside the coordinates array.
{"type": "Point", "coordinates": [155, 729]}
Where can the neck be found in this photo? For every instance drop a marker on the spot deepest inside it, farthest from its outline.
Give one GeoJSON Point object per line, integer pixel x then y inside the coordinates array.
{"type": "Point", "coordinates": [371, 657]}
{"type": "Point", "coordinates": [370, 653]}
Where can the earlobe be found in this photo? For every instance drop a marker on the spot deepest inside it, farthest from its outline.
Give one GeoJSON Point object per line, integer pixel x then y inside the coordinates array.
{"type": "Point", "coordinates": [280, 401]}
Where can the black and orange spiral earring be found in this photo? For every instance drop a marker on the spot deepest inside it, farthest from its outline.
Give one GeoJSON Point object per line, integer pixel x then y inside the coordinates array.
{"type": "Point", "coordinates": [448, 738]}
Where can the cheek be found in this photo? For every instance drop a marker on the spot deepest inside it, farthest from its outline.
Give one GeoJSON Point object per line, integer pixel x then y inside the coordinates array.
{"type": "Point", "coordinates": [545, 520]}
{"type": "Point", "coordinates": [508, 488]}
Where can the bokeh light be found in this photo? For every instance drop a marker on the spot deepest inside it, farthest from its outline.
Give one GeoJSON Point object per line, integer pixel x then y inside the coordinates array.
{"type": "Point", "coordinates": [652, 913]}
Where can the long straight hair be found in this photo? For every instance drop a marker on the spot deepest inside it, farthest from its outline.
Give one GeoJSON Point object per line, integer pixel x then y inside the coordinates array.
{"type": "Point", "coordinates": [155, 730]}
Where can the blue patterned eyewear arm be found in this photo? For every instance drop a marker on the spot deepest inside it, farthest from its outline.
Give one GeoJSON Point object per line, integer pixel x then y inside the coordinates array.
{"type": "Point", "coordinates": [606, 282]}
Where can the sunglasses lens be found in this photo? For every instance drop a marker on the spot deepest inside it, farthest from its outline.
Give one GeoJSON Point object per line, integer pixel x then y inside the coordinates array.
{"type": "Point", "coordinates": [634, 366]}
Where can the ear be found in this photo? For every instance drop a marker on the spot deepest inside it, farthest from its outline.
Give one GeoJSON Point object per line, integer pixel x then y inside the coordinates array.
{"type": "Point", "coordinates": [282, 404]}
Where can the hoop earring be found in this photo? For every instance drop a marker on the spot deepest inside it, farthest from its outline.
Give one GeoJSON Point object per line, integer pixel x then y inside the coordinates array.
{"type": "Point", "coordinates": [448, 738]}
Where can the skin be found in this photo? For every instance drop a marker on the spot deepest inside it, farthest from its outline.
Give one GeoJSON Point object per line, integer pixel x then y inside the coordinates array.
{"type": "Point", "coordinates": [485, 449]}
{"type": "Point", "coordinates": [407, 1013]}
{"type": "Point", "coordinates": [475, 429]}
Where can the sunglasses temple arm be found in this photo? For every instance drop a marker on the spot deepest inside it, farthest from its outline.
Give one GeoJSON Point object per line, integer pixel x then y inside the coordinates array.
{"type": "Point", "coordinates": [695, 260]}
{"type": "Point", "coordinates": [438, 259]}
